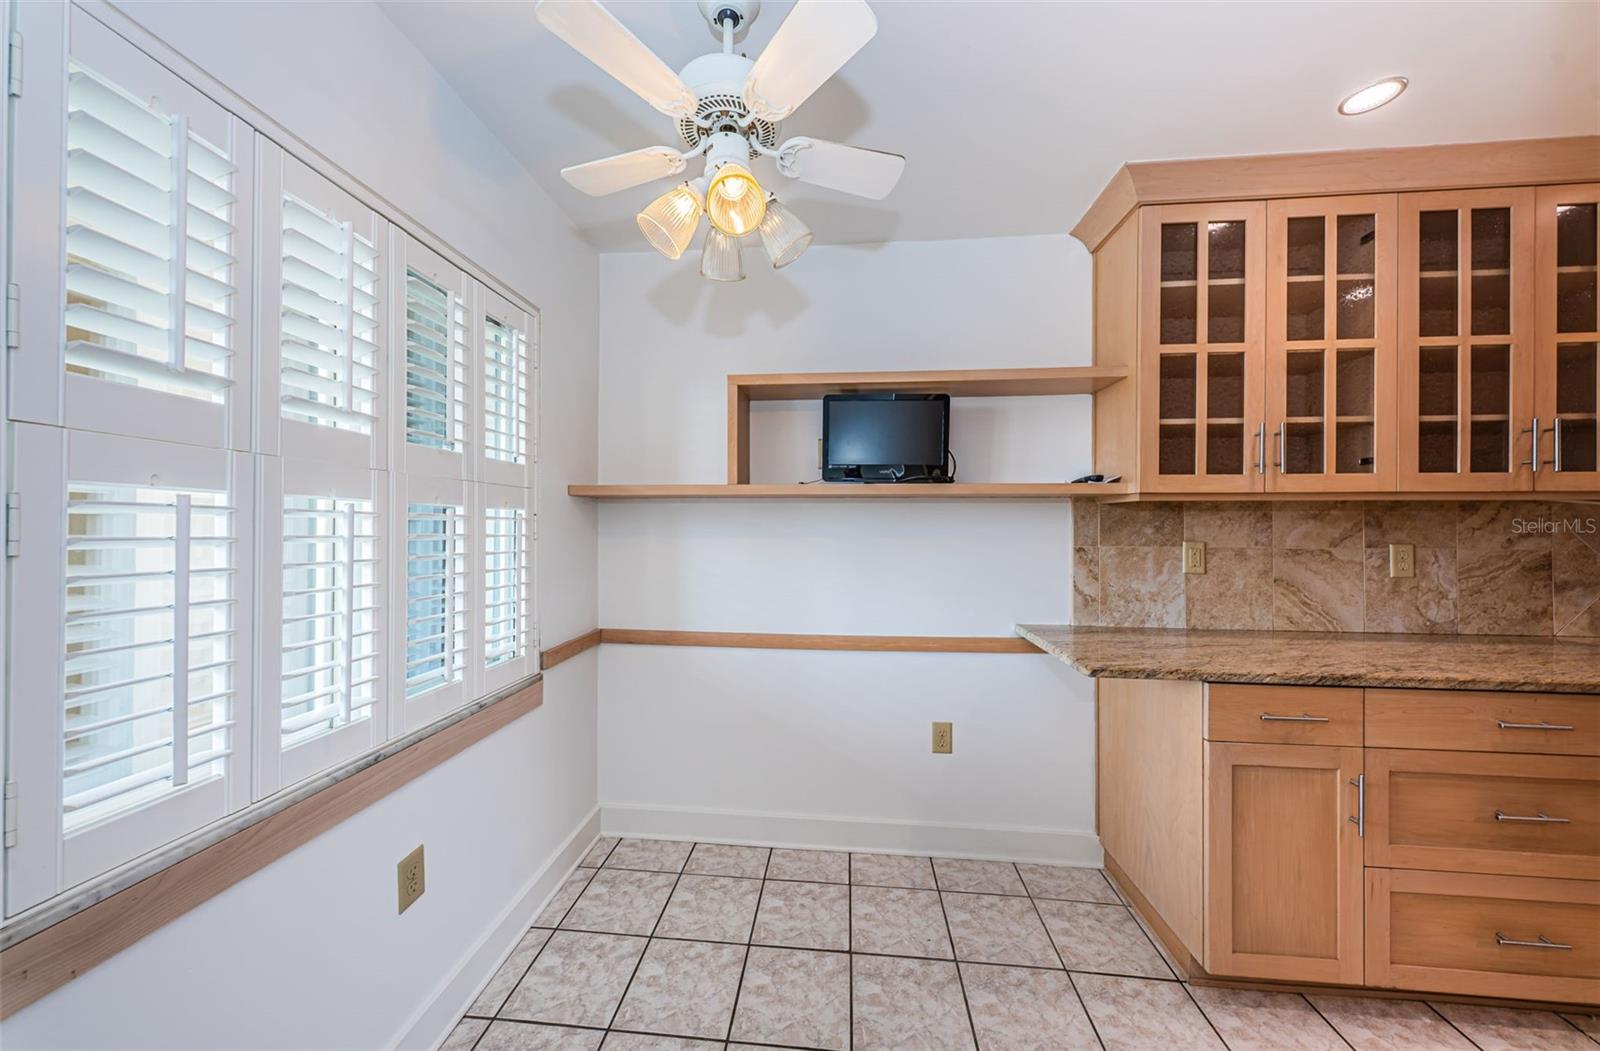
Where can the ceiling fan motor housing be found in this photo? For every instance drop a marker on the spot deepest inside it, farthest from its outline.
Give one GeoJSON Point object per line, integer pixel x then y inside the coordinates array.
{"type": "Point", "coordinates": [717, 81]}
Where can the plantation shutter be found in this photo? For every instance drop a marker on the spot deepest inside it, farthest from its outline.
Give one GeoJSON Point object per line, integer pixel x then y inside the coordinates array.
{"type": "Point", "coordinates": [505, 391]}
{"type": "Point", "coordinates": [436, 597]}
{"type": "Point", "coordinates": [505, 594]}
{"type": "Point", "coordinates": [435, 364]}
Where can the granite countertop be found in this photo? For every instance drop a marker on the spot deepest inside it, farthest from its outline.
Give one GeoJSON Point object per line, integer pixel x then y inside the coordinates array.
{"type": "Point", "coordinates": [1301, 658]}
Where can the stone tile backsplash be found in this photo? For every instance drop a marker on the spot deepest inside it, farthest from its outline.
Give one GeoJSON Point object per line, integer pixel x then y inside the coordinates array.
{"type": "Point", "coordinates": [1482, 567]}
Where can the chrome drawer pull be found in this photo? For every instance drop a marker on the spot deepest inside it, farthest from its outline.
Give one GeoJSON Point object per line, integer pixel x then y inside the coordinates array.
{"type": "Point", "coordinates": [1542, 943]}
{"type": "Point", "coordinates": [1268, 717]}
{"type": "Point", "coordinates": [1541, 819]}
{"type": "Point", "coordinates": [1531, 726]}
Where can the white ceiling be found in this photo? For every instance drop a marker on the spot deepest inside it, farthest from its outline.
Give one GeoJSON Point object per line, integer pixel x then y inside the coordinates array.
{"type": "Point", "coordinates": [1014, 115]}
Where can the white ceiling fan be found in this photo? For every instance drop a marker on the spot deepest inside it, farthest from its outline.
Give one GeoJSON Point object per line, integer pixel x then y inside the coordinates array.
{"type": "Point", "coordinates": [728, 108]}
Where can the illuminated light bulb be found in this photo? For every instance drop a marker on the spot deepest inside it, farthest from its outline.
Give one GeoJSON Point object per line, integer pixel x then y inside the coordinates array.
{"type": "Point", "coordinates": [670, 220]}
{"type": "Point", "coordinates": [1372, 96]}
{"type": "Point", "coordinates": [720, 259]}
{"type": "Point", "coordinates": [783, 235]}
{"type": "Point", "coordinates": [735, 202]}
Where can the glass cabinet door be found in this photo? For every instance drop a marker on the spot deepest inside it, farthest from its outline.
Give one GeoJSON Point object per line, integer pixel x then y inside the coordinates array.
{"type": "Point", "coordinates": [1330, 343]}
{"type": "Point", "coordinates": [1466, 340]}
{"type": "Point", "coordinates": [1200, 340]}
{"type": "Point", "coordinates": [1568, 390]}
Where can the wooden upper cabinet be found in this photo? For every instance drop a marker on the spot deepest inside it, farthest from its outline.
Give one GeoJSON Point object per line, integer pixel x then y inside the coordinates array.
{"type": "Point", "coordinates": [1568, 386]}
{"type": "Point", "coordinates": [1330, 358]}
{"type": "Point", "coordinates": [1466, 340]}
{"type": "Point", "coordinates": [1201, 285]}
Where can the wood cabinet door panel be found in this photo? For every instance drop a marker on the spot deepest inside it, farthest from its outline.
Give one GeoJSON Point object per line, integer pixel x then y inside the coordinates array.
{"type": "Point", "coordinates": [1567, 390]}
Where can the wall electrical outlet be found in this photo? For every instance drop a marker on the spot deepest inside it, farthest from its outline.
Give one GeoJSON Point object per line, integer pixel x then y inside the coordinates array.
{"type": "Point", "coordinates": [412, 877]}
{"type": "Point", "coordinates": [1194, 556]}
{"type": "Point", "coordinates": [943, 738]}
{"type": "Point", "coordinates": [1402, 560]}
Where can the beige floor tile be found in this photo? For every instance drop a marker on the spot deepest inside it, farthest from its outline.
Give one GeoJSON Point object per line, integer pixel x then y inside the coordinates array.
{"type": "Point", "coordinates": [653, 855]}
{"type": "Point", "coordinates": [1507, 1029]}
{"type": "Point", "coordinates": [1101, 938]}
{"type": "Point", "coordinates": [711, 908]}
{"type": "Point", "coordinates": [652, 1042]}
{"type": "Point", "coordinates": [795, 997]}
{"type": "Point", "coordinates": [978, 877]}
{"type": "Point", "coordinates": [898, 922]}
{"type": "Point", "coordinates": [597, 853]}
{"type": "Point", "coordinates": [684, 989]}
{"type": "Point", "coordinates": [1138, 1014]}
{"type": "Point", "coordinates": [510, 973]}
{"type": "Point", "coordinates": [1021, 1009]}
{"type": "Point", "coordinates": [995, 928]}
{"type": "Point", "coordinates": [804, 915]}
{"type": "Point", "coordinates": [619, 901]}
{"type": "Point", "coordinates": [578, 979]}
{"type": "Point", "coordinates": [1589, 1023]}
{"type": "Point", "coordinates": [529, 1036]}
{"type": "Point", "coordinates": [912, 1004]}
{"type": "Point", "coordinates": [891, 870]}
{"type": "Point", "coordinates": [464, 1035]}
{"type": "Point", "coordinates": [1371, 1024]}
{"type": "Point", "coordinates": [1256, 1021]}
{"type": "Point", "coordinates": [719, 859]}
{"type": "Point", "coordinates": [816, 866]}
{"type": "Point", "coordinates": [1069, 884]}
{"type": "Point", "coordinates": [563, 898]}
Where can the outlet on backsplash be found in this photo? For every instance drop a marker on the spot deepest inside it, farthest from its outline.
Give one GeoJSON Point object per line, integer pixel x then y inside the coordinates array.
{"type": "Point", "coordinates": [1194, 556]}
{"type": "Point", "coordinates": [1402, 560]}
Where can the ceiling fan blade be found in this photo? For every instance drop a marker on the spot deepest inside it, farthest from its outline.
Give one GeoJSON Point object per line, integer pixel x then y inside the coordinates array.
{"type": "Point", "coordinates": [817, 38]}
{"type": "Point", "coordinates": [596, 34]}
{"type": "Point", "coordinates": [610, 174]}
{"type": "Point", "coordinates": [848, 169]}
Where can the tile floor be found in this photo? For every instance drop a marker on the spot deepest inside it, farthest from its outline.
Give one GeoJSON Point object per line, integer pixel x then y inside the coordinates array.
{"type": "Point", "coordinates": [656, 945]}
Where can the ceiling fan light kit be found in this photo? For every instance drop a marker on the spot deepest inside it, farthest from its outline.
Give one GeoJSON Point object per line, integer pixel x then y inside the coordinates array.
{"type": "Point", "coordinates": [727, 108]}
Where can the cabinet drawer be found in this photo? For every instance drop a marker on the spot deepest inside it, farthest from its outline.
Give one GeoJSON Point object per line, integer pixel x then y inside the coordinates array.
{"type": "Point", "coordinates": [1471, 721]}
{"type": "Point", "coordinates": [1329, 715]}
{"type": "Point", "coordinates": [1452, 932]}
{"type": "Point", "coordinates": [1521, 815]}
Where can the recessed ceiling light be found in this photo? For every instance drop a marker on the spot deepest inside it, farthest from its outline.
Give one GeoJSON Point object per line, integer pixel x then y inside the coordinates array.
{"type": "Point", "coordinates": [1372, 96]}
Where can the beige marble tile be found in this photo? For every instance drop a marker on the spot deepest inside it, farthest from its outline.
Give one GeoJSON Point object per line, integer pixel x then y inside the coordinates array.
{"type": "Point", "coordinates": [620, 901]}
{"type": "Point", "coordinates": [464, 1035]}
{"type": "Point", "coordinates": [1021, 1009]}
{"type": "Point", "coordinates": [814, 866]}
{"type": "Point", "coordinates": [1228, 524]}
{"type": "Point", "coordinates": [1101, 938]}
{"type": "Point", "coordinates": [898, 922]}
{"type": "Point", "coordinates": [653, 855]}
{"type": "Point", "coordinates": [1421, 604]}
{"type": "Point", "coordinates": [1086, 585]}
{"type": "Point", "coordinates": [915, 1005]}
{"type": "Point", "coordinates": [1234, 593]}
{"type": "Point", "coordinates": [1576, 578]}
{"type": "Point", "coordinates": [1505, 1029]}
{"type": "Point", "coordinates": [795, 997]}
{"type": "Point", "coordinates": [578, 979]}
{"type": "Point", "coordinates": [528, 1036]}
{"type": "Point", "coordinates": [599, 852]}
{"type": "Point", "coordinates": [683, 989]}
{"type": "Point", "coordinates": [1588, 1023]}
{"type": "Point", "coordinates": [1141, 525]}
{"type": "Point", "coordinates": [711, 908]}
{"type": "Point", "coordinates": [1256, 1021]}
{"type": "Point", "coordinates": [993, 928]}
{"type": "Point", "coordinates": [1425, 523]}
{"type": "Point", "coordinates": [1504, 569]}
{"type": "Point", "coordinates": [1141, 587]}
{"type": "Point", "coordinates": [509, 973]}
{"type": "Point", "coordinates": [1067, 883]}
{"type": "Point", "coordinates": [720, 859]}
{"type": "Point", "coordinates": [891, 870]}
{"type": "Point", "coordinates": [1085, 522]}
{"type": "Point", "coordinates": [1371, 1024]}
{"type": "Point", "coordinates": [1317, 590]}
{"type": "Point", "coordinates": [1315, 526]}
{"type": "Point", "coordinates": [652, 1042]}
{"type": "Point", "coordinates": [978, 877]}
{"type": "Point", "coordinates": [1137, 1014]}
{"type": "Point", "coordinates": [562, 899]}
{"type": "Point", "coordinates": [804, 915]}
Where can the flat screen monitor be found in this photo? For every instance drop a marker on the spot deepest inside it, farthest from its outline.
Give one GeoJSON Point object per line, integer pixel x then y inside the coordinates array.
{"type": "Point", "coordinates": [885, 437]}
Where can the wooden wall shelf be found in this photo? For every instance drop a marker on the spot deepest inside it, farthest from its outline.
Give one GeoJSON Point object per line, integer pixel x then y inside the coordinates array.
{"type": "Point", "coordinates": [851, 491]}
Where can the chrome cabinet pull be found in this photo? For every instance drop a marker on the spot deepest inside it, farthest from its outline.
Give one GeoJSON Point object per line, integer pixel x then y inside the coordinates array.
{"type": "Point", "coordinates": [1541, 725]}
{"type": "Point", "coordinates": [1360, 819]}
{"type": "Point", "coordinates": [1261, 449]}
{"type": "Point", "coordinates": [1533, 460]}
{"type": "Point", "coordinates": [1541, 818]}
{"type": "Point", "coordinates": [1268, 717]}
{"type": "Point", "coordinates": [1555, 432]}
{"type": "Point", "coordinates": [1542, 943]}
{"type": "Point", "coordinates": [1278, 454]}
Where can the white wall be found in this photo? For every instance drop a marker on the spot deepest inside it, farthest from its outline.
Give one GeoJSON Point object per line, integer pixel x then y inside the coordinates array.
{"type": "Point", "coordinates": [308, 952]}
{"type": "Point", "coordinates": [829, 748]}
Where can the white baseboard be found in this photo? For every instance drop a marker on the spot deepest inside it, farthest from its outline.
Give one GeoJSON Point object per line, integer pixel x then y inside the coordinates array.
{"type": "Point", "coordinates": [432, 1022]}
{"type": "Point", "coordinates": [1056, 846]}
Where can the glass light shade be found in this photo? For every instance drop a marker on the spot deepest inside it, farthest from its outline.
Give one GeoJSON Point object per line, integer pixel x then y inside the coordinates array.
{"type": "Point", "coordinates": [670, 220]}
{"type": "Point", "coordinates": [735, 202]}
{"type": "Point", "coordinates": [720, 259]}
{"type": "Point", "coordinates": [783, 235]}
{"type": "Point", "coordinates": [1372, 96]}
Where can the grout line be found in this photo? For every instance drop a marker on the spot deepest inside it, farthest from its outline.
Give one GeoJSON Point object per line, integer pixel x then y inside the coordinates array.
{"type": "Point", "coordinates": [961, 982]}
{"type": "Point", "coordinates": [648, 938]}
{"type": "Point", "coordinates": [1056, 949]}
{"type": "Point", "coordinates": [1207, 1018]}
{"type": "Point", "coordinates": [1085, 1005]}
{"type": "Point", "coordinates": [1449, 1023]}
{"type": "Point", "coordinates": [849, 951]}
{"type": "Point", "coordinates": [1328, 1022]}
{"type": "Point", "coordinates": [744, 965]}
{"type": "Point", "coordinates": [1563, 1016]}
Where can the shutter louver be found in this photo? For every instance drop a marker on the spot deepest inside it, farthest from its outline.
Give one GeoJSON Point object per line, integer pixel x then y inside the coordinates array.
{"type": "Point", "coordinates": [149, 645]}
{"type": "Point", "coordinates": [436, 582]}
{"type": "Point", "coordinates": [505, 392]}
{"type": "Point", "coordinates": [148, 242]}
{"type": "Point", "coordinates": [505, 595]}
{"type": "Point", "coordinates": [435, 365]}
